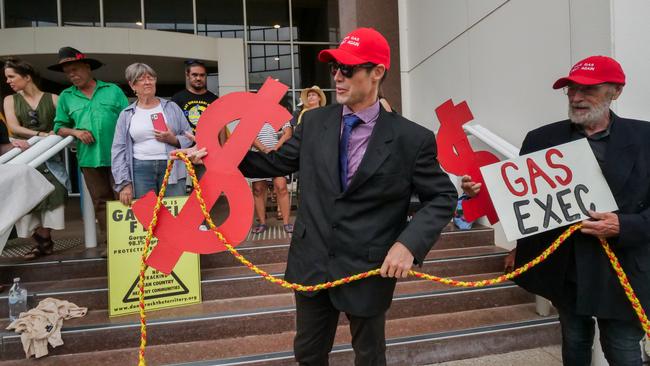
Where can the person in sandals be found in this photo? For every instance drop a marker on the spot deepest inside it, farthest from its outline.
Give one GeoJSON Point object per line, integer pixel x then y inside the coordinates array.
{"type": "Point", "coordinates": [267, 140]}
{"type": "Point", "coordinates": [30, 112]}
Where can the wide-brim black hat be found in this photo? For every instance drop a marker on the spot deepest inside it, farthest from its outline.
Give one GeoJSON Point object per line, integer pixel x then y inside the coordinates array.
{"type": "Point", "coordinates": [69, 54]}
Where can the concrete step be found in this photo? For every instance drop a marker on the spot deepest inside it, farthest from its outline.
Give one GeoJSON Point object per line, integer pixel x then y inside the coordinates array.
{"type": "Point", "coordinates": [238, 281]}
{"type": "Point", "coordinates": [283, 298]}
{"type": "Point", "coordinates": [246, 320]}
{"type": "Point", "coordinates": [96, 332]}
{"type": "Point", "coordinates": [87, 263]}
{"type": "Point", "coordinates": [414, 340]}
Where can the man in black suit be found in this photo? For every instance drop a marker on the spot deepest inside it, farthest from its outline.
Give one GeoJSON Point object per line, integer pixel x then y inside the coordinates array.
{"type": "Point", "coordinates": [578, 278]}
{"type": "Point", "coordinates": [359, 166]}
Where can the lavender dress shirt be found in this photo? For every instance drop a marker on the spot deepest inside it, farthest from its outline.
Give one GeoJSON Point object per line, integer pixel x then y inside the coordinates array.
{"type": "Point", "coordinates": [360, 136]}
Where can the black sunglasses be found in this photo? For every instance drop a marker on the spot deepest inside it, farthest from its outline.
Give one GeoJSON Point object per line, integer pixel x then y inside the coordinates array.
{"type": "Point", "coordinates": [193, 62]}
{"type": "Point", "coordinates": [349, 70]}
{"type": "Point", "coordinates": [33, 115]}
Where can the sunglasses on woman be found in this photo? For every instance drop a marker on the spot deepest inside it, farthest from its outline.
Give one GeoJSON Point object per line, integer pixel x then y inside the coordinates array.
{"type": "Point", "coordinates": [348, 70]}
{"type": "Point", "coordinates": [33, 118]}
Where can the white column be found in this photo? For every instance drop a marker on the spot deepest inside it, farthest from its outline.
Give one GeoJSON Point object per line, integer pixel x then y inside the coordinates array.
{"type": "Point", "coordinates": [88, 215]}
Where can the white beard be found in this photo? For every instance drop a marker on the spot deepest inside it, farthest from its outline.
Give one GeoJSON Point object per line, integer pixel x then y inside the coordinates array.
{"type": "Point", "coordinates": [591, 117]}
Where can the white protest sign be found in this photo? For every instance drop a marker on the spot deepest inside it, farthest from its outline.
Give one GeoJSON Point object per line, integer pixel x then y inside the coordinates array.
{"type": "Point", "coordinates": [547, 189]}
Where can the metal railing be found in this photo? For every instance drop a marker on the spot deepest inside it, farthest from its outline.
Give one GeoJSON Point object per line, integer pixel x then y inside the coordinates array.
{"type": "Point", "coordinates": [492, 140]}
{"type": "Point", "coordinates": [43, 148]}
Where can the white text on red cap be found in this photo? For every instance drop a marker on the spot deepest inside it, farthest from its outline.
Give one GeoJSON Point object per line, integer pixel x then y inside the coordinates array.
{"type": "Point", "coordinates": [351, 40]}
{"type": "Point", "coordinates": [587, 66]}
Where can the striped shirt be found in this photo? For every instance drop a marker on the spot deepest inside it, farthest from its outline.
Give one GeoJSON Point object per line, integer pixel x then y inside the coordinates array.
{"type": "Point", "coordinates": [268, 136]}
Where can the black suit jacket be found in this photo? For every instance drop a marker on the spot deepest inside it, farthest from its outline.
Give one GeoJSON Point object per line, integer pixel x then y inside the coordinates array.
{"type": "Point", "coordinates": [338, 234]}
{"type": "Point", "coordinates": [578, 275]}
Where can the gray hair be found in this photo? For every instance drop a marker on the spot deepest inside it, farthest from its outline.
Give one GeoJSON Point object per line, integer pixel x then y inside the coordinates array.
{"type": "Point", "coordinates": [136, 70]}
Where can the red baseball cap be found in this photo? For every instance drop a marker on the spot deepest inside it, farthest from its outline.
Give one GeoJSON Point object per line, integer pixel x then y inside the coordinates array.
{"type": "Point", "coordinates": [359, 47]}
{"type": "Point", "coordinates": [593, 70]}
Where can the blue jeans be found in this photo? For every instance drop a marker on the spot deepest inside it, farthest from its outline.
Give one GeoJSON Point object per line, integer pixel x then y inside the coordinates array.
{"type": "Point", "coordinates": [148, 175]}
{"type": "Point", "coordinates": [618, 338]}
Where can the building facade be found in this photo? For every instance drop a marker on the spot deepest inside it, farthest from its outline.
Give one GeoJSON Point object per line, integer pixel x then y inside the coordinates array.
{"type": "Point", "coordinates": [242, 41]}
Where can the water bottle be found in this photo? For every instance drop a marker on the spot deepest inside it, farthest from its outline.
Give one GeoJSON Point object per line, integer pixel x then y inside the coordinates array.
{"type": "Point", "coordinates": [17, 300]}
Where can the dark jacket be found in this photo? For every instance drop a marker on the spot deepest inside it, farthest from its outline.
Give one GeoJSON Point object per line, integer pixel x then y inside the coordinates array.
{"type": "Point", "coordinates": [578, 275]}
{"type": "Point", "coordinates": [338, 234]}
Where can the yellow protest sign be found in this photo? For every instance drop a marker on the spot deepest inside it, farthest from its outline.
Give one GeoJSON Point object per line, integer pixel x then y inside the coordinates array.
{"type": "Point", "coordinates": [125, 242]}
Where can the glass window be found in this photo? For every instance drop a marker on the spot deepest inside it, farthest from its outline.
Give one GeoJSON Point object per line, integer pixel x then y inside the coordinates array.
{"type": "Point", "coordinates": [80, 13]}
{"type": "Point", "coordinates": [316, 20]}
{"type": "Point", "coordinates": [122, 14]}
{"type": "Point", "coordinates": [169, 15]}
{"type": "Point", "coordinates": [268, 61]}
{"type": "Point", "coordinates": [223, 18]}
{"type": "Point", "coordinates": [310, 71]}
{"type": "Point", "coordinates": [30, 13]}
{"type": "Point", "coordinates": [268, 20]}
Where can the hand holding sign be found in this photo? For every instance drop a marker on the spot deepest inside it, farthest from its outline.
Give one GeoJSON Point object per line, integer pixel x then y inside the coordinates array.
{"type": "Point", "coordinates": [601, 224]}
{"type": "Point", "coordinates": [549, 189]}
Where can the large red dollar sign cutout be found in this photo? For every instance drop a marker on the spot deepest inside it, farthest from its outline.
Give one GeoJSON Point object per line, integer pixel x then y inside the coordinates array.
{"type": "Point", "coordinates": [181, 233]}
{"type": "Point", "coordinates": [457, 157]}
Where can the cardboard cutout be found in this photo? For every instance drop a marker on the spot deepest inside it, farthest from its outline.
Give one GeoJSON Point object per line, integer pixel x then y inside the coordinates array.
{"type": "Point", "coordinates": [457, 157]}
{"type": "Point", "coordinates": [181, 233]}
{"type": "Point", "coordinates": [548, 189]}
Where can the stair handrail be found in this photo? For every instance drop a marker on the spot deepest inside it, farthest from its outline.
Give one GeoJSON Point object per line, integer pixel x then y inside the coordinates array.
{"type": "Point", "coordinates": [16, 150]}
{"type": "Point", "coordinates": [58, 147]}
{"type": "Point", "coordinates": [43, 148]}
{"type": "Point", "coordinates": [493, 140]}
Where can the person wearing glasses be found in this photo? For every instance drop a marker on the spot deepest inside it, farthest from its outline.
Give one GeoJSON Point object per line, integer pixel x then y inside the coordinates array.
{"type": "Point", "coordinates": [147, 131]}
{"type": "Point", "coordinates": [359, 166]}
{"type": "Point", "coordinates": [88, 111]}
{"type": "Point", "coordinates": [578, 278]}
{"type": "Point", "coordinates": [30, 112]}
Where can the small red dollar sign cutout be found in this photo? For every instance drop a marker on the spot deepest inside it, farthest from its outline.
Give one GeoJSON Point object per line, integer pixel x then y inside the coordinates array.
{"type": "Point", "coordinates": [181, 233]}
{"type": "Point", "coordinates": [457, 157]}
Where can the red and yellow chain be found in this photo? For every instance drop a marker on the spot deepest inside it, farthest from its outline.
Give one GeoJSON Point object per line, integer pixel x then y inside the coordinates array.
{"type": "Point", "coordinates": [622, 277]}
{"type": "Point", "coordinates": [629, 292]}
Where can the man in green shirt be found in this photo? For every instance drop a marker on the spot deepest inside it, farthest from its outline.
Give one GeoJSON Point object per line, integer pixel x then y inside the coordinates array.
{"type": "Point", "coordinates": [88, 110]}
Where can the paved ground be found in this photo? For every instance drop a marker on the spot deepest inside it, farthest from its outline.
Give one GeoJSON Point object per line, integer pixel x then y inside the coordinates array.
{"type": "Point", "coordinates": [547, 356]}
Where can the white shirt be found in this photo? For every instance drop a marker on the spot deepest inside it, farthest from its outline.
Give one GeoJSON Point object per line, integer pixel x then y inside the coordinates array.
{"type": "Point", "coordinates": [145, 145]}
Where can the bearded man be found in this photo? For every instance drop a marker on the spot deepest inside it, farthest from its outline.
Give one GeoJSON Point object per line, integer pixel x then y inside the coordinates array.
{"type": "Point", "coordinates": [578, 278]}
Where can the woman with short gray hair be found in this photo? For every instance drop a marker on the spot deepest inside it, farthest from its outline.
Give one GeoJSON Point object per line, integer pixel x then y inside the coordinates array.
{"type": "Point", "coordinates": [138, 70]}
{"type": "Point", "coordinates": [146, 132]}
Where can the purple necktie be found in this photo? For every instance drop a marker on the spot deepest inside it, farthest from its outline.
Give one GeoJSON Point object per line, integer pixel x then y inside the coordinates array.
{"type": "Point", "coordinates": [350, 121]}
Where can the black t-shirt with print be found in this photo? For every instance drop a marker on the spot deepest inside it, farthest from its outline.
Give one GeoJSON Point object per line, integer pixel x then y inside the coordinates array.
{"type": "Point", "coordinates": [193, 104]}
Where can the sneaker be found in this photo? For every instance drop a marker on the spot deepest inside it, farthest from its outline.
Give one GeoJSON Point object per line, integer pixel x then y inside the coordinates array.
{"type": "Point", "coordinates": [288, 228]}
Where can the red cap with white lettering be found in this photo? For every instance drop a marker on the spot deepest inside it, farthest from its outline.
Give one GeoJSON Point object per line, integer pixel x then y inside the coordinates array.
{"type": "Point", "coordinates": [593, 70]}
{"type": "Point", "coordinates": [360, 46]}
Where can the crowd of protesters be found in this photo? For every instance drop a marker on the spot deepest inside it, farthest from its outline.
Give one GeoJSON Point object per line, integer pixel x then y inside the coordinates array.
{"type": "Point", "coordinates": [122, 149]}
